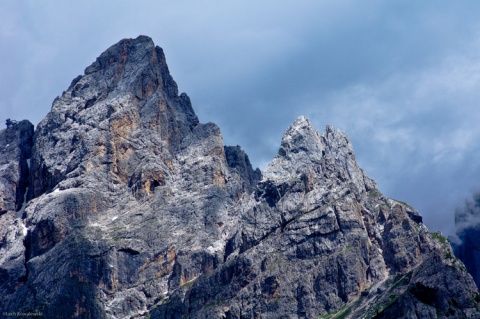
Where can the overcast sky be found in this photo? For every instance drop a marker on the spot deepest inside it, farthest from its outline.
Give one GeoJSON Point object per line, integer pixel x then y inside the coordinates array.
{"type": "Point", "coordinates": [401, 78]}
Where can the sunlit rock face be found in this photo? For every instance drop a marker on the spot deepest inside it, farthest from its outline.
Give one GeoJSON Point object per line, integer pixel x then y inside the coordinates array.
{"type": "Point", "coordinates": [135, 209]}
{"type": "Point", "coordinates": [123, 113]}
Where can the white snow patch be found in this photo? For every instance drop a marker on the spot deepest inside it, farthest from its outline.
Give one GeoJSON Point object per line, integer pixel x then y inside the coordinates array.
{"type": "Point", "coordinates": [379, 228]}
{"type": "Point", "coordinates": [114, 217]}
{"type": "Point", "coordinates": [217, 246]}
{"type": "Point", "coordinates": [56, 190]}
{"type": "Point", "coordinates": [19, 214]}
{"type": "Point", "coordinates": [102, 227]}
{"type": "Point", "coordinates": [24, 228]}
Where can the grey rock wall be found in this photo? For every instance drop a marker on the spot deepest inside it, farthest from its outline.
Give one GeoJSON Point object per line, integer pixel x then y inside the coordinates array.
{"type": "Point", "coordinates": [15, 152]}
{"type": "Point", "coordinates": [15, 149]}
{"type": "Point", "coordinates": [137, 210]}
{"type": "Point", "coordinates": [317, 239]}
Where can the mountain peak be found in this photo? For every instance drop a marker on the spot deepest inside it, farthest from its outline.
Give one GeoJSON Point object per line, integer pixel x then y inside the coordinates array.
{"type": "Point", "coordinates": [301, 121]}
{"type": "Point", "coordinates": [331, 152]}
{"type": "Point", "coordinates": [300, 137]}
{"type": "Point", "coordinates": [134, 64]}
{"type": "Point", "coordinates": [140, 46]}
{"type": "Point", "coordinates": [126, 104]}
{"type": "Point", "coordinates": [135, 209]}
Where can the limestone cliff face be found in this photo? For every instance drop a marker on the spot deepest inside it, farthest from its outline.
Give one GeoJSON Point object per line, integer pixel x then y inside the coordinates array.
{"type": "Point", "coordinates": [123, 112]}
{"type": "Point", "coordinates": [317, 239]}
{"type": "Point", "coordinates": [15, 152]}
{"type": "Point", "coordinates": [138, 210]}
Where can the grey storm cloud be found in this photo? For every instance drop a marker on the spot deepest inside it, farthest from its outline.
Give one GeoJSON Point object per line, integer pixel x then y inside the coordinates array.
{"type": "Point", "coordinates": [401, 78]}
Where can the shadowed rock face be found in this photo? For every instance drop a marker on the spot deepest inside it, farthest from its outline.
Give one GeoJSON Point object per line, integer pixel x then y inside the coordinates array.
{"type": "Point", "coordinates": [15, 148]}
{"type": "Point", "coordinates": [138, 210]}
{"type": "Point", "coordinates": [15, 152]}
{"type": "Point", "coordinates": [469, 251]}
{"type": "Point", "coordinates": [467, 243]}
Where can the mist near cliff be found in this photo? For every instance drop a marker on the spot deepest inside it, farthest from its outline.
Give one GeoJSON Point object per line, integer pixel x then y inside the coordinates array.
{"type": "Point", "coordinates": [467, 217]}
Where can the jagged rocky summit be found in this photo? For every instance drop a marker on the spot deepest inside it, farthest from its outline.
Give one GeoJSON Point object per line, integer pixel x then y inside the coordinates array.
{"type": "Point", "coordinates": [131, 208]}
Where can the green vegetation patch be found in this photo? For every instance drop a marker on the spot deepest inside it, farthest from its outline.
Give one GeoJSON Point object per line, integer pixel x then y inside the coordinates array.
{"type": "Point", "coordinates": [373, 193]}
{"type": "Point", "coordinates": [214, 303]}
{"type": "Point", "coordinates": [401, 280]}
{"type": "Point", "coordinates": [188, 284]}
{"type": "Point", "coordinates": [476, 297]}
{"type": "Point", "coordinates": [343, 311]}
{"type": "Point", "coordinates": [404, 204]}
{"type": "Point", "coordinates": [439, 237]}
{"type": "Point", "coordinates": [448, 255]}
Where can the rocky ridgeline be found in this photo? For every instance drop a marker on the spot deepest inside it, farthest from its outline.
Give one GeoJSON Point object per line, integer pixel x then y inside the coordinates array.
{"type": "Point", "coordinates": [137, 210]}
